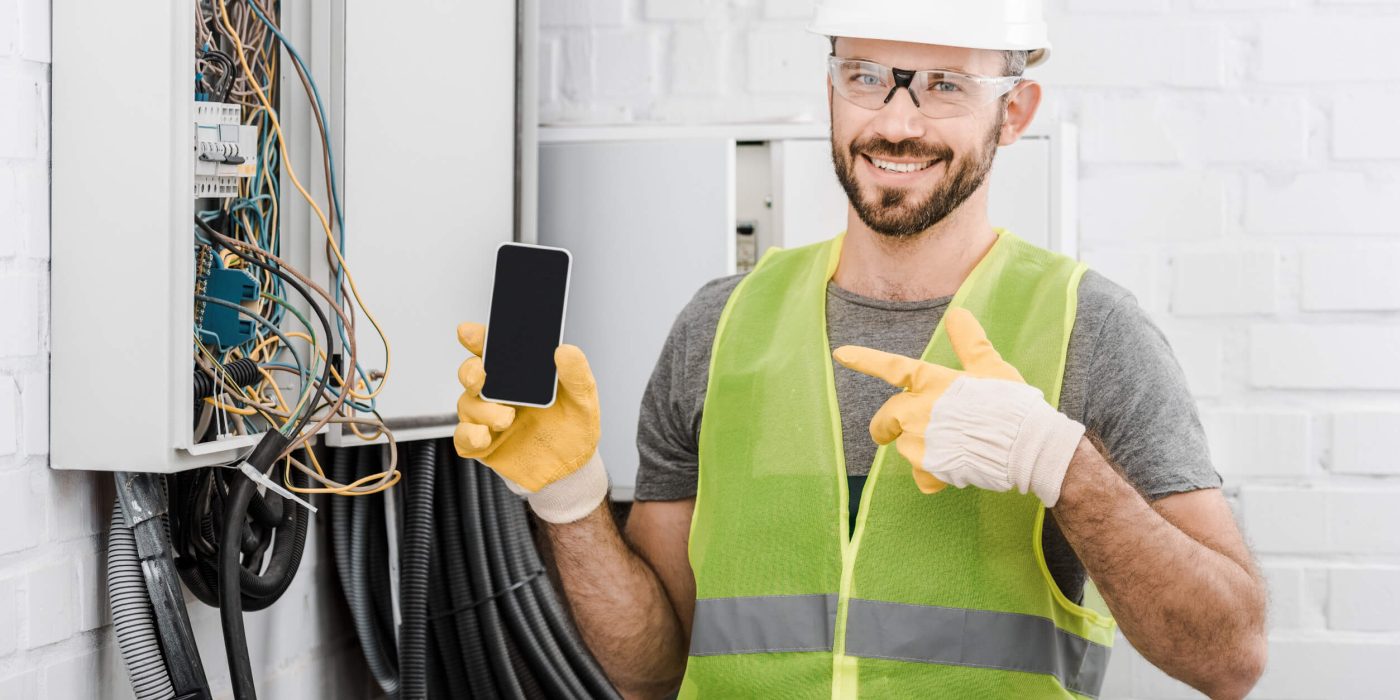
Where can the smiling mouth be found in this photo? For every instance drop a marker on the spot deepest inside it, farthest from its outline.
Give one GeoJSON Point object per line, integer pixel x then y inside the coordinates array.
{"type": "Point", "coordinates": [893, 167]}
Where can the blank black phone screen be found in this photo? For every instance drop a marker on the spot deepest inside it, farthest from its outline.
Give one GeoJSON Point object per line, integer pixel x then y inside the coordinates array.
{"type": "Point", "coordinates": [526, 324]}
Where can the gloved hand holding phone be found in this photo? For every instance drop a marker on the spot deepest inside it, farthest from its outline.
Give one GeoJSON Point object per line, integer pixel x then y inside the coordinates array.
{"type": "Point", "coordinates": [548, 454]}
{"type": "Point", "coordinates": [983, 426]}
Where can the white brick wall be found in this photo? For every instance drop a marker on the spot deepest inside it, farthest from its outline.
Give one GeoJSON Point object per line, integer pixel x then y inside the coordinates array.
{"type": "Point", "coordinates": [55, 634]}
{"type": "Point", "coordinates": [1240, 173]}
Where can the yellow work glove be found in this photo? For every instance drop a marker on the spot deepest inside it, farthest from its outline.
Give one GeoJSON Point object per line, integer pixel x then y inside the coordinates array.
{"type": "Point", "coordinates": [549, 455]}
{"type": "Point", "coordinates": [983, 426]}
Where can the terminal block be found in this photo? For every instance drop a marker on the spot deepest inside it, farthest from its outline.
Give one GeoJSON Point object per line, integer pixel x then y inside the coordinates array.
{"type": "Point", "coordinates": [221, 326]}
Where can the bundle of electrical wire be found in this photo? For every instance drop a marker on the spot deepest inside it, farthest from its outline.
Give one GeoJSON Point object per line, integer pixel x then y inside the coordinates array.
{"type": "Point", "coordinates": [238, 544]}
{"type": "Point", "coordinates": [245, 234]}
{"type": "Point", "coordinates": [480, 616]}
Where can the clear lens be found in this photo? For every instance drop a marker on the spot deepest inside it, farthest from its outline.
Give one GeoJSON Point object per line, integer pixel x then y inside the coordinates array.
{"type": "Point", "coordinates": [938, 94]}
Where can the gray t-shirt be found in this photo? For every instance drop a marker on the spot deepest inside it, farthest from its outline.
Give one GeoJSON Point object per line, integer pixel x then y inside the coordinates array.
{"type": "Point", "coordinates": [1121, 381]}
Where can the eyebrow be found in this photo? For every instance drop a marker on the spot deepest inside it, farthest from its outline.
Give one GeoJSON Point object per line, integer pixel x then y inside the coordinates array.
{"type": "Point", "coordinates": [954, 69]}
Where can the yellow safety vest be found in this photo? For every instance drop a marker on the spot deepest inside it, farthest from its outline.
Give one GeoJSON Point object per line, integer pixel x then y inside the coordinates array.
{"type": "Point", "coordinates": [932, 596]}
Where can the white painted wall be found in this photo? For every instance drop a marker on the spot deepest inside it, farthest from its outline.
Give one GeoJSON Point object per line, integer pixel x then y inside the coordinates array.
{"type": "Point", "coordinates": [55, 628]}
{"type": "Point", "coordinates": [1240, 172]}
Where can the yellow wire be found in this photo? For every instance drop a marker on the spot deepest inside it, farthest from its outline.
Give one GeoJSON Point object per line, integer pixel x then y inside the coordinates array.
{"type": "Point", "coordinates": [291, 174]}
{"type": "Point", "coordinates": [281, 400]}
{"type": "Point", "coordinates": [344, 490]}
{"type": "Point", "coordinates": [231, 409]}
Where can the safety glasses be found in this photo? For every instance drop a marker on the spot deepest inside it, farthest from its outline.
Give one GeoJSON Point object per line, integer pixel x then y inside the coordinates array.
{"type": "Point", "coordinates": [938, 94]}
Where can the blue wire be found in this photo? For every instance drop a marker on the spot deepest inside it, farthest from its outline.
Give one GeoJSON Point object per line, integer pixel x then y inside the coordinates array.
{"type": "Point", "coordinates": [335, 188]}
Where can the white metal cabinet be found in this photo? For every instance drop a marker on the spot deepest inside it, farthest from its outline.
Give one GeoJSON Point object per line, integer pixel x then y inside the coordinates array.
{"type": "Point", "coordinates": [648, 223]}
{"type": "Point", "coordinates": [429, 168]}
{"type": "Point", "coordinates": [428, 171]}
{"type": "Point", "coordinates": [122, 243]}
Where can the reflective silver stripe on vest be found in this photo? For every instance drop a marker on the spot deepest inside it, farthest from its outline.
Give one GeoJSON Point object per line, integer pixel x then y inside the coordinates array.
{"type": "Point", "coordinates": [763, 624]}
{"type": "Point", "coordinates": [965, 637]}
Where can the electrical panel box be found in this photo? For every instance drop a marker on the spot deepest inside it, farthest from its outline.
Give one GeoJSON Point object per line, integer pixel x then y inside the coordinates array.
{"type": "Point", "coordinates": [677, 207]}
{"type": "Point", "coordinates": [136, 288]}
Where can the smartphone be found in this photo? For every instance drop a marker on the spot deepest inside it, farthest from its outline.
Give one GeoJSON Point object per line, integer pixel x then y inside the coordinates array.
{"type": "Point", "coordinates": [526, 324]}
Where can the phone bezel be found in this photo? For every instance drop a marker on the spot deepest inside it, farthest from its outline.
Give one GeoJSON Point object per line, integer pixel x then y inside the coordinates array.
{"type": "Point", "coordinates": [563, 317]}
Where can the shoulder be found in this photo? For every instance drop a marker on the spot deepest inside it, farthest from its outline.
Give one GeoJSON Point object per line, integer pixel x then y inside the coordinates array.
{"type": "Point", "coordinates": [1100, 297]}
{"type": "Point", "coordinates": [1106, 313]}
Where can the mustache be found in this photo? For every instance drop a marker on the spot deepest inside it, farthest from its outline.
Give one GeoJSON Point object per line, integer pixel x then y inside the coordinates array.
{"type": "Point", "coordinates": [877, 146]}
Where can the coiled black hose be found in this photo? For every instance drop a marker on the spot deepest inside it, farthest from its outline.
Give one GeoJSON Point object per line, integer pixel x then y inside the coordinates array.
{"type": "Point", "coordinates": [413, 582]}
{"type": "Point", "coordinates": [133, 618]}
{"type": "Point", "coordinates": [356, 579]}
{"type": "Point", "coordinates": [546, 668]}
{"type": "Point", "coordinates": [493, 624]}
{"type": "Point", "coordinates": [526, 560]}
{"type": "Point", "coordinates": [473, 528]}
{"type": "Point", "coordinates": [446, 672]}
{"type": "Point", "coordinates": [459, 586]}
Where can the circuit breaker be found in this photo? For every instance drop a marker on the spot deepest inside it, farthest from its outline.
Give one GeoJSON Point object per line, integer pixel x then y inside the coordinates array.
{"type": "Point", "coordinates": [224, 149]}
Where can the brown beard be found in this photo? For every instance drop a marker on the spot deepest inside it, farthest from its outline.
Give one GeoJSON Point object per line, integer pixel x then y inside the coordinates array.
{"type": "Point", "coordinates": [893, 210]}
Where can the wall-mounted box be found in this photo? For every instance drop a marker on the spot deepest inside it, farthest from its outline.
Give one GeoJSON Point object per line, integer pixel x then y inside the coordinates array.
{"type": "Point", "coordinates": [429, 178]}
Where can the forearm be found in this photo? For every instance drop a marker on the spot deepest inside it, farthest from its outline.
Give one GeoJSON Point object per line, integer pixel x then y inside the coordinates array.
{"type": "Point", "coordinates": [1190, 609]}
{"type": "Point", "coordinates": [620, 606]}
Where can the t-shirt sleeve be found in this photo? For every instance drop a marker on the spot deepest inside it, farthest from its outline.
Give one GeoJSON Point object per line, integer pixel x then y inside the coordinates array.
{"type": "Point", "coordinates": [1138, 403]}
{"type": "Point", "coordinates": [668, 422]}
{"type": "Point", "coordinates": [668, 449]}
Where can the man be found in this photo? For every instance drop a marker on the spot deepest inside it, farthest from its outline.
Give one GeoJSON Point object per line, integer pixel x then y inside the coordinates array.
{"type": "Point", "coordinates": [776, 551]}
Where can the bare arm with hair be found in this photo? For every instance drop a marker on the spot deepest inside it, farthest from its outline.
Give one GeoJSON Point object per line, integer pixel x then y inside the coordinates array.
{"type": "Point", "coordinates": [632, 599]}
{"type": "Point", "coordinates": [1176, 573]}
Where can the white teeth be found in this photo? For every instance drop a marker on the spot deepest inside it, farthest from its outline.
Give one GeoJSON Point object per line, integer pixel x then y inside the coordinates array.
{"type": "Point", "coordinates": [900, 167]}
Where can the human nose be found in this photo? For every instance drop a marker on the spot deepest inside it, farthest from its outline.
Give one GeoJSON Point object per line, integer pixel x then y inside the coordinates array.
{"type": "Point", "coordinates": [900, 118]}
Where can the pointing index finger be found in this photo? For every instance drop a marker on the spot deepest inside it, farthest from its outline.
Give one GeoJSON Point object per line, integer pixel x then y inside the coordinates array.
{"type": "Point", "coordinates": [898, 370]}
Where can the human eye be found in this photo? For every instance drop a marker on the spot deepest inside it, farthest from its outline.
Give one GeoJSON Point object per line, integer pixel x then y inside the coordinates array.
{"type": "Point", "coordinates": [946, 83]}
{"type": "Point", "coordinates": [865, 79]}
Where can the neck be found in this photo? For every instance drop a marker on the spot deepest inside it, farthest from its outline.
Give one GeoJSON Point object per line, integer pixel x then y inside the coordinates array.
{"type": "Point", "coordinates": [930, 264]}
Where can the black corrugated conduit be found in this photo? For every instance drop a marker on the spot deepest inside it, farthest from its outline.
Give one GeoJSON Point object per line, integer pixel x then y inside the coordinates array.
{"type": "Point", "coordinates": [416, 550]}
{"type": "Point", "coordinates": [133, 617]}
{"type": "Point", "coordinates": [351, 534]}
{"type": "Point", "coordinates": [493, 623]}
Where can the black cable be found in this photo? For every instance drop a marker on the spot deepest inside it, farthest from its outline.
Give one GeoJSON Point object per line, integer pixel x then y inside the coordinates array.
{"type": "Point", "coordinates": [225, 73]}
{"type": "Point", "coordinates": [243, 371]}
{"type": "Point", "coordinates": [525, 565]}
{"type": "Point", "coordinates": [325, 380]}
{"type": "Point", "coordinates": [459, 585]}
{"type": "Point", "coordinates": [447, 674]}
{"type": "Point", "coordinates": [240, 668]}
{"type": "Point", "coordinates": [545, 668]}
{"type": "Point", "coordinates": [472, 529]}
{"type": "Point", "coordinates": [360, 592]}
{"type": "Point", "coordinates": [413, 580]}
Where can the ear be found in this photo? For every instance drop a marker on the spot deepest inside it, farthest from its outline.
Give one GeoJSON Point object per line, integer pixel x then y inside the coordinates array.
{"type": "Point", "coordinates": [1020, 108]}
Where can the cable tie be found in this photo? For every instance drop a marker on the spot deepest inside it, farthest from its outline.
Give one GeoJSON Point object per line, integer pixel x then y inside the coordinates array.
{"type": "Point", "coordinates": [475, 603]}
{"type": "Point", "coordinates": [259, 477]}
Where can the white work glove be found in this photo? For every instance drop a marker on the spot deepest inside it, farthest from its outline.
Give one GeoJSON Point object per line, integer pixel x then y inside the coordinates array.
{"type": "Point", "coordinates": [982, 427]}
{"type": "Point", "coordinates": [570, 498]}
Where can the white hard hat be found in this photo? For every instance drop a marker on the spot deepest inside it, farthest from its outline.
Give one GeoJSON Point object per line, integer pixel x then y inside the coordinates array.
{"type": "Point", "coordinates": [1004, 25]}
